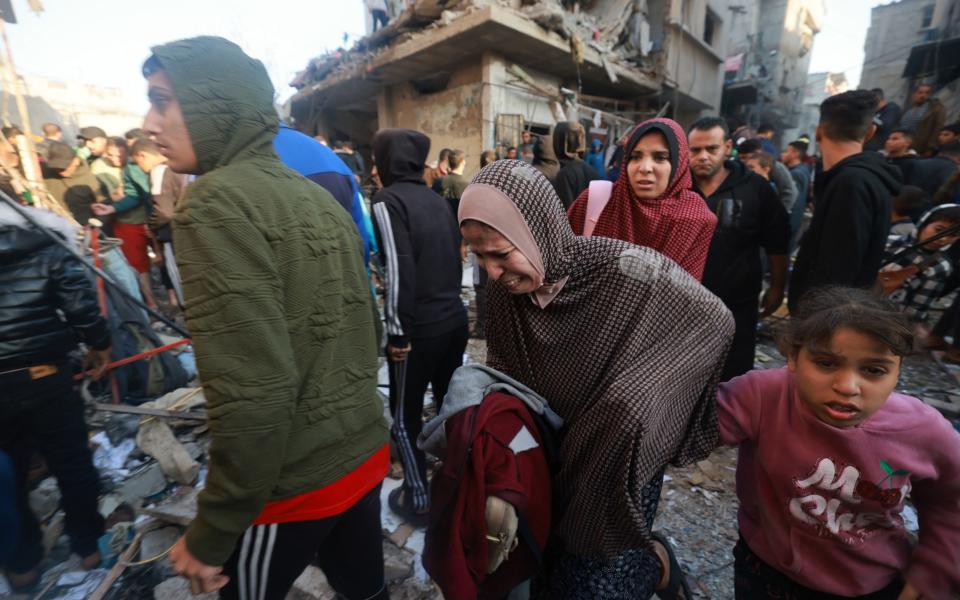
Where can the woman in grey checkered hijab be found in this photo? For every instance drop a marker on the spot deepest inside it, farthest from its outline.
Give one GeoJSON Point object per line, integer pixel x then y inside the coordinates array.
{"type": "Point", "coordinates": [624, 345]}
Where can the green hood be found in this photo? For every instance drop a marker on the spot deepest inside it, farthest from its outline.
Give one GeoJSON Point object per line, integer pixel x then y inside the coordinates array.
{"type": "Point", "coordinates": [226, 98]}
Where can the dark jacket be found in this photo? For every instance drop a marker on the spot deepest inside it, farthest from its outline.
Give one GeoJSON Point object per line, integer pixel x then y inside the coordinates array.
{"type": "Point", "coordinates": [931, 173]}
{"type": "Point", "coordinates": [419, 240]}
{"type": "Point", "coordinates": [750, 216]}
{"type": "Point", "coordinates": [39, 278]}
{"type": "Point", "coordinates": [278, 304]}
{"type": "Point", "coordinates": [450, 187]}
{"type": "Point", "coordinates": [905, 165]}
{"type": "Point", "coordinates": [889, 117]}
{"type": "Point", "coordinates": [801, 178]}
{"type": "Point", "coordinates": [845, 241]}
{"type": "Point", "coordinates": [569, 142]}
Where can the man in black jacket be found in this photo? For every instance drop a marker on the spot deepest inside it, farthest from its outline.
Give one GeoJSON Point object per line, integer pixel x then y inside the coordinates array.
{"type": "Point", "coordinates": [888, 115]}
{"type": "Point", "coordinates": [575, 175]}
{"type": "Point", "coordinates": [39, 409]}
{"type": "Point", "coordinates": [750, 217]}
{"type": "Point", "coordinates": [852, 201]}
{"type": "Point", "coordinates": [426, 320]}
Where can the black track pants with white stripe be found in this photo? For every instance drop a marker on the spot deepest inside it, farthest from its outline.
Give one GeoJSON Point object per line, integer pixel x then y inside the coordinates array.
{"type": "Point", "coordinates": [431, 361]}
{"type": "Point", "coordinates": [347, 547]}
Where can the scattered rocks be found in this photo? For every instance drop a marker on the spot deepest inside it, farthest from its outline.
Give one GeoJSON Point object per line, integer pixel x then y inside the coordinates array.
{"type": "Point", "coordinates": [397, 563]}
{"type": "Point", "coordinates": [156, 439]}
{"type": "Point", "coordinates": [148, 481]}
{"type": "Point", "coordinates": [179, 509]}
{"type": "Point", "coordinates": [311, 585]}
{"type": "Point", "coordinates": [178, 588]}
{"type": "Point", "coordinates": [158, 541]}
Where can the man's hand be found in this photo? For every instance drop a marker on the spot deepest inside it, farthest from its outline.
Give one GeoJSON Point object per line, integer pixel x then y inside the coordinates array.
{"type": "Point", "coordinates": [396, 354]}
{"type": "Point", "coordinates": [203, 578]}
{"type": "Point", "coordinates": [99, 360]}
{"type": "Point", "coordinates": [772, 299]}
{"type": "Point", "coordinates": [909, 593]}
{"type": "Point", "coordinates": [102, 210]}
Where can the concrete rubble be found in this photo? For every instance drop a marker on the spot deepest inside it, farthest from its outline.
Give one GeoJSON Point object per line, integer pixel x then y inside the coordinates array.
{"type": "Point", "coordinates": [697, 511]}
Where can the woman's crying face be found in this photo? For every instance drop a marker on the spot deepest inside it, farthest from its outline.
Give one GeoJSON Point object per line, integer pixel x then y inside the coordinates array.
{"type": "Point", "coordinates": [501, 259]}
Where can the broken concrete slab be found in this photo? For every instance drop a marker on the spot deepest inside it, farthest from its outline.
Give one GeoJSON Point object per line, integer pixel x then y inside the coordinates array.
{"type": "Point", "coordinates": [45, 499]}
{"type": "Point", "coordinates": [148, 481]}
{"type": "Point", "coordinates": [178, 588]}
{"type": "Point", "coordinates": [156, 439]}
{"type": "Point", "coordinates": [397, 563]}
{"type": "Point", "coordinates": [179, 509]}
{"type": "Point", "coordinates": [193, 449]}
{"type": "Point", "coordinates": [311, 585]}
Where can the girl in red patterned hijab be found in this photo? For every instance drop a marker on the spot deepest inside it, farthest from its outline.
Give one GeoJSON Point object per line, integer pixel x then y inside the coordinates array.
{"type": "Point", "coordinates": [652, 203]}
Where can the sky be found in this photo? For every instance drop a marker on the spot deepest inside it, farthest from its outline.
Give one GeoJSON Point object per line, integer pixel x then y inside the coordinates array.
{"type": "Point", "coordinates": [104, 42]}
{"type": "Point", "coordinates": [839, 45]}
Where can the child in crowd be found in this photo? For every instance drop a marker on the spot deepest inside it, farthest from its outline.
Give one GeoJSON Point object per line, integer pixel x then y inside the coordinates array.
{"type": "Point", "coordinates": [915, 275]}
{"type": "Point", "coordinates": [828, 455]}
{"type": "Point", "coordinates": [909, 202]}
{"type": "Point", "coordinates": [760, 163]}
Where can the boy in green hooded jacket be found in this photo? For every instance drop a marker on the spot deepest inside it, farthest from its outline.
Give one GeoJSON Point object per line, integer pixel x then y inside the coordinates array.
{"type": "Point", "coordinates": [285, 332]}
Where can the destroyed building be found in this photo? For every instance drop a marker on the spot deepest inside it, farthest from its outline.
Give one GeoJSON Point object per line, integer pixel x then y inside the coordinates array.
{"type": "Point", "coordinates": [472, 74]}
{"type": "Point", "coordinates": [769, 44]}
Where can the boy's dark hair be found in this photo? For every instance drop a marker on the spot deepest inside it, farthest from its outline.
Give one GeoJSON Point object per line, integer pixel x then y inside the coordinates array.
{"type": "Point", "coordinates": [117, 141]}
{"type": "Point", "coordinates": [911, 199]}
{"type": "Point", "coordinates": [749, 147]}
{"type": "Point", "coordinates": [765, 128]}
{"type": "Point", "coordinates": [848, 116]}
{"type": "Point", "coordinates": [145, 145]}
{"type": "Point", "coordinates": [878, 93]}
{"type": "Point", "coordinates": [514, 148]}
{"type": "Point", "coordinates": [904, 131]}
{"type": "Point", "coordinates": [824, 310]}
{"type": "Point", "coordinates": [953, 128]}
{"type": "Point", "coordinates": [11, 132]}
{"type": "Point", "coordinates": [338, 145]}
{"type": "Point", "coordinates": [487, 157]}
{"type": "Point", "coordinates": [765, 159]}
{"type": "Point", "coordinates": [444, 154]}
{"type": "Point", "coordinates": [456, 159]}
{"type": "Point", "coordinates": [136, 134]}
{"type": "Point", "coordinates": [708, 123]}
{"type": "Point", "coordinates": [50, 129]}
{"type": "Point", "coordinates": [800, 147]}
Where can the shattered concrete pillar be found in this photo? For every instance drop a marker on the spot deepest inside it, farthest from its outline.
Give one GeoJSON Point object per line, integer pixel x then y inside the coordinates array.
{"type": "Point", "coordinates": [156, 439]}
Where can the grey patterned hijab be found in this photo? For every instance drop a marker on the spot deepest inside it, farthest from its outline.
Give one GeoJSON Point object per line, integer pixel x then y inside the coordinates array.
{"type": "Point", "coordinates": [628, 354]}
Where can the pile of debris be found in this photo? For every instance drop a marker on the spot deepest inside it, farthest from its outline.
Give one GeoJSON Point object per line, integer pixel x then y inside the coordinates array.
{"type": "Point", "coordinates": [618, 29]}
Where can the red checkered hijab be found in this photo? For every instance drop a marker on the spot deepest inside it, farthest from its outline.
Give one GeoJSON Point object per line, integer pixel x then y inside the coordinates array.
{"type": "Point", "coordinates": [677, 224]}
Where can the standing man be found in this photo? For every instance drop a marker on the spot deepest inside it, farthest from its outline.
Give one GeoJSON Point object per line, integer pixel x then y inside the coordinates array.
{"type": "Point", "coordinates": [426, 321]}
{"type": "Point", "coordinates": [750, 218]}
{"type": "Point", "coordinates": [899, 153]}
{"type": "Point", "coordinates": [888, 115]}
{"type": "Point", "coordinates": [794, 157]}
{"type": "Point", "coordinates": [285, 331]}
{"type": "Point", "coordinates": [452, 185]}
{"type": "Point", "coordinates": [378, 12]}
{"type": "Point", "coordinates": [925, 118]}
{"type": "Point", "coordinates": [765, 136]}
{"type": "Point", "coordinates": [852, 201]}
{"type": "Point", "coordinates": [49, 305]}
{"type": "Point", "coordinates": [779, 173]}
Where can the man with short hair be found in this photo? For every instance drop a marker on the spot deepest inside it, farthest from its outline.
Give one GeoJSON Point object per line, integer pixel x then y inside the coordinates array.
{"type": "Point", "coordinates": [285, 330]}
{"type": "Point", "coordinates": [512, 153]}
{"type": "Point", "coordinates": [526, 146]}
{"type": "Point", "coordinates": [133, 135]}
{"type": "Point", "coordinates": [794, 157]}
{"type": "Point", "coordinates": [765, 134]}
{"type": "Point", "coordinates": [750, 218]}
{"type": "Point", "coordinates": [166, 187]}
{"type": "Point", "coordinates": [899, 153]}
{"type": "Point", "coordinates": [852, 197]}
{"type": "Point", "coordinates": [94, 142]}
{"type": "Point", "coordinates": [888, 115]}
{"type": "Point", "coordinates": [925, 118]}
{"type": "Point", "coordinates": [949, 133]}
{"type": "Point", "coordinates": [451, 187]}
{"type": "Point", "coordinates": [779, 174]}
{"type": "Point", "coordinates": [350, 158]}
{"type": "Point", "coordinates": [52, 132]}
{"type": "Point", "coordinates": [761, 163]}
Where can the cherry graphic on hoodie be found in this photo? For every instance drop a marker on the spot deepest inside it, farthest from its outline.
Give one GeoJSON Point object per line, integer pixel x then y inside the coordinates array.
{"type": "Point", "coordinates": [889, 497]}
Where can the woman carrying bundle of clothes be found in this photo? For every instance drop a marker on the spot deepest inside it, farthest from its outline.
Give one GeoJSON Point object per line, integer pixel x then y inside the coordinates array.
{"type": "Point", "coordinates": [626, 347]}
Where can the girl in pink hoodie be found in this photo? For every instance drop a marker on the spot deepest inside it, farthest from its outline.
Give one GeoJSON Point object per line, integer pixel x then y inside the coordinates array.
{"type": "Point", "coordinates": [828, 455]}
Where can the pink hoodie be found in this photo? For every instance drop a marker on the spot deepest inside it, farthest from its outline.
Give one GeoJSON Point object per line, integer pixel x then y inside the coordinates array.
{"type": "Point", "coordinates": [822, 504]}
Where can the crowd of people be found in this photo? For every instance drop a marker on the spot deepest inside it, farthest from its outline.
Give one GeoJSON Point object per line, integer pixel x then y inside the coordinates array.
{"type": "Point", "coordinates": [620, 304]}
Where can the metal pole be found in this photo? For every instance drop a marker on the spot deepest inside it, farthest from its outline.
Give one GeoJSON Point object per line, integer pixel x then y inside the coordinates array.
{"type": "Point", "coordinates": [25, 213]}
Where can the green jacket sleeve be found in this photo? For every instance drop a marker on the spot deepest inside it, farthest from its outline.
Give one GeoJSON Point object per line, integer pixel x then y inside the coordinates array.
{"type": "Point", "coordinates": [136, 189]}
{"type": "Point", "coordinates": [235, 313]}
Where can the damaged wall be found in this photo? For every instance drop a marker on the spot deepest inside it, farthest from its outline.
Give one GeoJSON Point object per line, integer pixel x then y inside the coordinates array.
{"type": "Point", "coordinates": [693, 60]}
{"type": "Point", "coordinates": [452, 117]}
